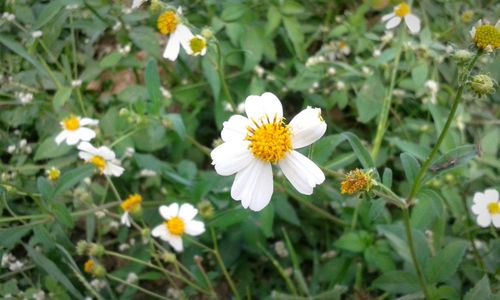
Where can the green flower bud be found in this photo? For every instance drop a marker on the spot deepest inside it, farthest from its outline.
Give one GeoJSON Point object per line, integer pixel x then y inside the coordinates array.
{"type": "Point", "coordinates": [96, 250]}
{"type": "Point", "coordinates": [168, 257]}
{"type": "Point", "coordinates": [99, 271]}
{"type": "Point", "coordinates": [124, 112]}
{"type": "Point", "coordinates": [82, 247]}
{"type": "Point", "coordinates": [206, 209]}
{"type": "Point", "coordinates": [207, 33]}
{"type": "Point", "coordinates": [482, 85]}
{"type": "Point", "coordinates": [462, 56]}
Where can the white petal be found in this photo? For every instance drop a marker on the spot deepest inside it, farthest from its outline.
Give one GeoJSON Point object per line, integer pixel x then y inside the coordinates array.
{"type": "Point", "coordinates": [72, 137]}
{"type": "Point", "coordinates": [176, 242]}
{"type": "Point", "coordinates": [184, 35]}
{"type": "Point", "coordinates": [393, 22]}
{"type": "Point", "coordinates": [85, 155]}
{"type": "Point", "coordinates": [61, 137]}
{"type": "Point", "coordinates": [194, 228]}
{"type": "Point", "coordinates": [254, 185]}
{"type": "Point", "coordinates": [204, 51]}
{"type": "Point", "coordinates": [266, 105]}
{"type": "Point", "coordinates": [484, 220]}
{"type": "Point", "coordinates": [87, 147]}
{"type": "Point", "coordinates": [388, 16]}
{"type": "Point", "coordinates": [161, 232]}
{"type": "Point", "coordinates": [106, 153]}
{"type": "Point", "coordinates": [413, 23]}
{"type": "Point", "coordinates": [480, 208]}
{"type": "Point", "coordinates": [85, 134]}
{"type": "Point", "coordinates": [235, 128]}
{"type": "Point", "coordinates": [231, 157]}
{"type": "Point", "coordinates": [491, 195]}
{"type": "Point", "coordinates": [479, 198]}
{"type": "Point", "coordinates": [113, 169]}
{"type": "Point", "coordinates": [137, 3]}
{"type": "Point", "coordinates": [167, 212]}
{"type": "Point", "coordinates": [307, 127]}
{"type": "Point", "coordinates": [302, 173]}
{"type": "Point", "coordinates": [495, 219]}
{"type": "Point", "coordinates": [88, 121]}
{"type": "Point", "coordinates": [497, 25]}
{"type": "Point", "coordinates": [187, 212]}
{"type": "Point", "coordinates": [173, 47]}
{"type": "Point", "coordinates": [125, 219]}
{"type": "Point", "coordinates": [472, 32]}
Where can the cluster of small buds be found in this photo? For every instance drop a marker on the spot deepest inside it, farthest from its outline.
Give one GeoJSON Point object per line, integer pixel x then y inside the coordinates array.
{"type": "Point", "coordinates": [462, 56]}
{"type": "Point", "coordinates": [22, 146]}
{"type": "Point", "coordinates": [206, 209]}
{"type": "Point", "coordinates": [314, 60]}
{"type": "Point", "coordinates": [98, 284]}
{"type": "Point", "coordinates": [387, 37]}
{"type": "Point", "coordinates": [124, 50]}
{"type": "Point", "coordinates": [482, 84]}
{"type": "Point", "coordinates": [76, 83]}
{"type": "Point", "coordinates": [24, 98]}
{"type": "Point", "coordinates": [207, 33]}
{"type": "Point", "coordinates": [165, 92]}
{"type": "Point", "coordinates": [340, 85]}
{"type": "Point", "coordinates": [36, 34]}
{"type": "Point", "coordinates": [8, 17]}
{"type": "Point", "coordinates": [11, 262]}
{"type": "Point", "coordinates": [260, 71]}
{"type": "Point", "coordinates": [433, 88]}
{"type": "Point", "coordinates": [280, 249]}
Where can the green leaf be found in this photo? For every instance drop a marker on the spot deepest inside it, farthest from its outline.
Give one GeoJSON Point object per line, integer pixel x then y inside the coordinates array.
{"type": "Point", "coordinates": [62, 215]}
{"type": "Point", "coordinates": [380, 260]}
{"type": "Point", "coordinates": [251, 42]}
{"type": "Point", "coordinates": [51, 268]}
{"type": "Point", "coordinates": [233, 11]}
{"type": "Point", "coordinates": [369, 99]}
{"type": "Point", "coordinates": [419, 151]}
{"type": "Point", "coordinates": [428, 207]}
{"type": "Point", "coordinates": [419, 74]}
{"type": "Point", "coordinates": [294, 31]}
{"type": "Point", "coordinates": [48, 13]}
{"type": "Point", "coordinates": [49, 149]}
{"type": "Point", "coordinates": [285, 210]}
{"type": "Point", "coordinates": [445, 263]}
{"type": "Point", "coordinates": [397, 282]}
{"type": "Point", "coordinates": [19, 50]}
{"type": "Point", "coordinates": [396, 236]}
{"type": "Point", "coordinates": [410, 166]}
{"type": "Point", "coordinates": [152, 79]}
{"type": "Point", "coordinates": [273, 20]}
{"type": "Point", "coordinates": [356, 241]}
{"type": "Point", "coordinates": [266, 220]}
{"type": "Point", "coordinates": [291, 7]}
{"type": "Point", "coordinates": [146, 39]}
{"type": "Point", "coordinates": [481, 291]}
{"type": "Point", "coordinates": [45, 188]}
{"type": "Point", "coordinates": [73, 177]}
{"type": "Point", "coordinates": [10, 237]}
{"type": "Point", "coordinates": [61, 97]}
{"type": "Point", "coordinates": [111, 60]}
{"type": "Point", "coordinates": [387, 177]}
{"type": "Point", "coordinates": [177, 124]}
{"type": "Point", "coordinates": [361, 152]}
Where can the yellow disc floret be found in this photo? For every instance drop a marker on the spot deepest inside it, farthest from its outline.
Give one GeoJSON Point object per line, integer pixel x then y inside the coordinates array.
{"type": "Point", "coordinates": [270, 141]}
{"type": "Point", "coordinates": [355, 181]}
{"type": "Point", "coordinates": [494, 208]}
{"type": "Point", "coordinates": [71, 123]}
{"type": "Point", "coordinates": [487, 36]}
{"type": "Point", "coordinates": [89, 265]}
{"type": "Point", "coordinates": [53, 173]}
{"type": "Point", "coordinates": [402, 10]}
{"type": "Point", "coordinates": [197, 44]}
{"type": "Point", "coordinates": [98, 161]}
{"type": "Point", "coordinates": [131, 203]}
{"type": "Point", "coordinates": [167, 22]}
{"type": "Point", "coordinates": [175, 226]}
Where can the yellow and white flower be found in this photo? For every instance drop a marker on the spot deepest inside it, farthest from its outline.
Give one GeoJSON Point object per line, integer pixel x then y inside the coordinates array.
{"type": "Point", "coordinates": [103, 158]}
{"type": "Point", "coordinates": [130, 205]}
{"type": "Point", "coordinates": [74, 130]}
{"type": "Point", "coordinates": [254, 143]}
{"type": "Point", "coordinates": [402, 11]}
{"type": "Point", "coordinates": [169, 23]}
{"type": "Point", "coordinates": [485, 36]}
{"type": "Point", "coordinates": [487, 208]}
{"type": "Point", "coordinates": [178, 221]}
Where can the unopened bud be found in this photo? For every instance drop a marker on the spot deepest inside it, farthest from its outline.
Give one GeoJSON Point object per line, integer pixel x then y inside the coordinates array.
{"type": "Point", "coordinates": [168, 257]}
{"type": "Point", "coordinates": [482, 84]}
{"type": "Point", "coordinates": [82, 247]}
{"type": "Point", "coordinates": [96, 250]}
{"type": "Point", "coordinates": [207, 33]}
{"type": "Point", "coordinates": [462, 56]}
{"type": "Point", "coordinates": [206, 209]}
{"type": "Point", "coordinates": [124, 112]}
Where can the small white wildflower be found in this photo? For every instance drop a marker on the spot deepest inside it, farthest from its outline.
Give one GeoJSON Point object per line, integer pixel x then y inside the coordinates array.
{"type": "Point", "coordinates": [40, 295]}
{"type": "Point", "coordinates": [315, 85]}
{"type": "Point", "coordinates": [7, 259]}
{"type": "Point", "coordinates": [340, 85]}
{"type": "Point", "coordinates": [76, 83]}
{"type": "Point", "coordinates": [280, 249]}
{"type": "Point", "coordinates": [132, 277]}
{"type": "Point", "coordinates": [11, 149]}
{"type": "Point", "coordinates": [16, 266]}
{"type": "Point", "coordinates": [36, 34]}
{"type": "Point", "coordinates": [332, 71]}
{"type": "Point", "coordinates": [28, 149]}
{"type": "Point", "coordinates": [98, 284]}
{"type": "Point", "coordinates": [124, 50]}
{"type": "Point", "coordinates": [376, 53]}
{"type": "Point", "coordinates": [23, 143]}
{"type": "Point", "coordinates": [165, 92]}
{"type": "Point", "coordinates": [8, 16]}
{"type": "Point", "coordinates": [24, 98]}
{"type": "Point", "coordinates": [486, 207]}
{"type": "Point", "coordinates": [147, 173]}
{"type": "Point", "coordinates": [259, 71]}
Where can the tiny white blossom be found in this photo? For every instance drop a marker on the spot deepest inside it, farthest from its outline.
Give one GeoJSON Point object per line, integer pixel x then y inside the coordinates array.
{"type": "Point", "coordinates": [332, 71]}
{"type": "Point", "coordinates": [98, 284]}
{"type": "Point", "coordinates": [376, 53]}
{"type": "Point", "coordinates": [165, 92]}
{"type": "Point", "coordinates": [487, 208]}
{"type": "Point", "coordinates": [132, 277]}
{"type": "Point", "coordinates": [340, 85]}
{"type": "Point", "coordinates": [36, 34]}
{"type": "Point", "coordinates": [24, 98]}
{"type": "Point", "coordinates": [11, 149]}
{"type": "Point", "coordinates": [76, 83]}
{"type": "Point", "coordinates": [8, 16]}
{"type": "Point", "coordinates": [259, 71]}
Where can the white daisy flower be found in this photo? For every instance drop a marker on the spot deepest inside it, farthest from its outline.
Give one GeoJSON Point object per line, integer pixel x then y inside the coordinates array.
{"type": "Point", "coordinates": [103, 158]}
{"type": "Point", "coordinates": [402, 11]}
{"type": "Point", "coordinates": [74, 130]}
{"type": "Point", "coordinates": [253, 143]}
{"type": "Point", "coordinates": [169, 23]}
{"type": "Point", "coordinates": [486, 36]}
{"type": "Point", "coordinates": [178, 221]}
{"type": "Point", "coordinates": [487, 208]}
{"type": "Point", "coordinates": [130, 205]}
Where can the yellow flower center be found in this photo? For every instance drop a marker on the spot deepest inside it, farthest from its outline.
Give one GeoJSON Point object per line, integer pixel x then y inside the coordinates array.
{"type": "Point", "coordinates": [89, 266]}
{"type": "Point", "coordinates": [53, 174]}
{"type": "Point", "coordinates": [356, 180]}
{"type": "Point", "coordinates": [342, 45]}
{"type": "Point", "coordinates": [197, 44]}
{"type": "Point", "coordinates": [131, 203]}
{"type": "Point", "coordinates": [487, 35]}
{"type": "Point", "coordinates": [167, 22]}
{"type": "Point", "coordinates": [402, 10]}
{"type": "Point", "coordinates": [270, 141]}
{"type": "Point", "coordinates": [98, 161]}
{"type": "Point", "coordinates": [175, 226]}
{"type": "Point", "coordinates": [71, 123]}
{"type": "Point", "coordinates": [494, 208]}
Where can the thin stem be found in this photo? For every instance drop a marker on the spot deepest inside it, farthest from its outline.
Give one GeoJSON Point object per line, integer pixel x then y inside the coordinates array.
{"type": "Point", "coordinates": [411, 245]}
{"type": "Point", "coordinates": [125, 136]}
{"type": "Point", "coordinates": [386, 106]}
{"type": "Point", "coordinates": [223, 266]}
{"type": "Point", "coordinates": [201, 147]}
{"type": "Point", "coordinates": [205, 277]}
{"type": "Point", "coordinates": [136, 287]}
{"type": "Point", "coordinates": [356, 212]}
{"type": "Point", "coordinates": [475, 251]}
{"type": "Point", "coordinates": [220, 71]}
{"type": "Point", "coordinates": [425, 166]}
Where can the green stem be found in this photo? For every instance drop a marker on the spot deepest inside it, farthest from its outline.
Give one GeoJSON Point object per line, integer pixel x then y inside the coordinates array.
{"type": "Point", "coordinates": [136, 287]}
{"type": "Point", "coordinates": [386, 106]}
{"type": "Point", "coordinates": [223, 266]}
{"type": "Point", "coordinates": [125, 136]}
{"type": "Point", "coordinates": [200, 147]}
{"type": "Point", "coordinates": [220, 71]}
{"type": "Point", "coordinates": [411, 245]}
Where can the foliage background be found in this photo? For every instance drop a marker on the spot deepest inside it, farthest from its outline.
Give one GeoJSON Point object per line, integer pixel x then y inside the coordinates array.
{"type": "Point", "coordinates": [338, 246]}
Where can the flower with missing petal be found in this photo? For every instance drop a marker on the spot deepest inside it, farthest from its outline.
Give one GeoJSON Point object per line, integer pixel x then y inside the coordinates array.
{"type": "Point", "coordinates": [103, 158]}
{"type": "Point", "coordinates": [130, 205]}
{"type": "Point", "coordinates": [74, 130]}
{"type": "Point", "coordinates": [402, 11]}
{"type": "Point", "coordinates": [356, 181]}
{"type": "Point", "coordinates": [487, 208]}
{"type": "Point", "coordinates": [485, 36]}
{"type": "Point", "coordinates": [178, 221]}
{"type": "Point", "coordinates": [254, 143]}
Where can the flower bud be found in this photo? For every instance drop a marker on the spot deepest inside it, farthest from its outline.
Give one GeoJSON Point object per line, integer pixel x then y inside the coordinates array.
{"type": "Point", "coordinates": [168, 257]}
{"type": "Point", "coordinates": [96, 250]}
{"type": "Point", "coordinates": [207, 33]}
{"type": "Point", "coordinates": [124, 112]}
{"type": "Point", "coordinates": [82, 247]}
{"type": "Point", "coordinates": [482, 84]}
{"type": "Point", "coordinates": [462, 56]}
{"type": "Point", "coordinates": [99, 271]}
{"type": "Point", "coordinates": [206, 209]}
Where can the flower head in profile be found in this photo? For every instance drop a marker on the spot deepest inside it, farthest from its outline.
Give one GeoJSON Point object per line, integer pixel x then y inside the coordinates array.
{"type": "Point", "coordinates": [74, 130]}
{"type": "Point", "coordinates": [131, 205]}
{"type": "Point", "coordinates": [487, 208]}
{"type": "Point", "coordinates": [485, 36]}
{"type": "Point", "coordinates": [103, 158]}
{"type": "Point", "coordinates": [178, 221]}
{"type": "Point", "coordinates": [169, 23]}
{"type": "Point", "coordinates": [53, 173]}
{"type": "Point", "coordinates": [402, 11]}
{"type": "Point", "coordinates": [254, 143]}
{"type": "Point", "coordinates": [356, 180]}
